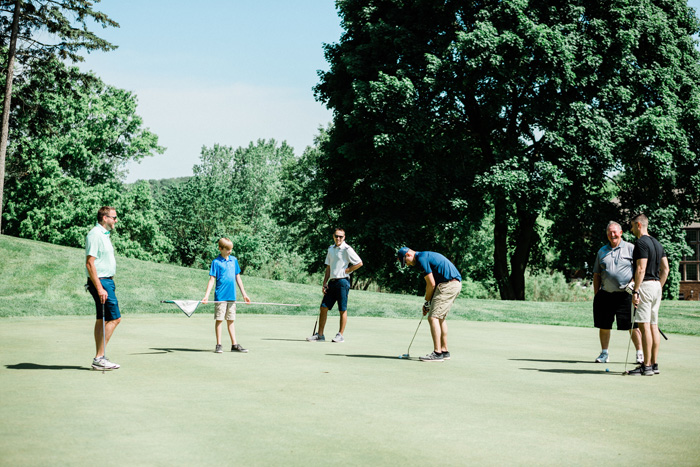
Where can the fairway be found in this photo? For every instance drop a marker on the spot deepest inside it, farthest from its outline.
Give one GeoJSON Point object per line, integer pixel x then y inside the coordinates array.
{"type": "Point", "coordinates": [512, 394]}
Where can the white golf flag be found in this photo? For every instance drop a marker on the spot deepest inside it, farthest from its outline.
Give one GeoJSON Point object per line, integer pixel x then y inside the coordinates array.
{"type": "Point", "coordinates": [187, 306]}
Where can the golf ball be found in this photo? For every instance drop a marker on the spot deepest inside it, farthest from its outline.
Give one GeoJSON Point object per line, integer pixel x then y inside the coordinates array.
{"type": "Point", "coordinates": [607, 369]}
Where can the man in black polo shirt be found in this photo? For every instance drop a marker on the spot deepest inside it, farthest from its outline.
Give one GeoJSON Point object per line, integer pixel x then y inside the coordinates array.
{"type": "Point", "coordinates": [650, 274]}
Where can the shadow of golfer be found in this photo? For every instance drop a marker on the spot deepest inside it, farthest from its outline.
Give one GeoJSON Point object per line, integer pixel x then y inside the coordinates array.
{"type": "Point", "coordinates": [570, 372]}
{"type": "Point", "coordinates": [36, 366]}
{"type": "Point", "coordinates": [159, 351]}
{"type": "Point", "coordinates": [547, 361]}
{"type": "Point", "coordinates": [286, 340]}
{"type": "Point", "coordinates": [389, 357]}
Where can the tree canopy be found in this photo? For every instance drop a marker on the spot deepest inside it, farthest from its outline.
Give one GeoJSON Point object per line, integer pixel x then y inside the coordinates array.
{"type": "Point", "coordinates": [35, 31]}
{"type": "Point", "coordinates": [72, 136]}
{"type": "Point", "coordinates": [448, 112]}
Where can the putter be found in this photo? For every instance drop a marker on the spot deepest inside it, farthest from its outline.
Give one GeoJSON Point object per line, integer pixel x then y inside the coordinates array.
{"type": "Point", "coordinates": [408, 352]}
{"type": "Point", "coordinates": [633, 311]}
{"type": "Point", "coordinates": [104, 338]}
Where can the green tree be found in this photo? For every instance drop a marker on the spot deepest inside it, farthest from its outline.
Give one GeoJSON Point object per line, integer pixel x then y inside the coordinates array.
{"type": "Point", "coordinates": [231, 194]}
{"type": "Point", "coordinates": [445, 112]}
{"type": "Point", "coordinates": [73, 137]}
{"type": "Point", "coordinates": [31, 29]}
{"type": "Point", "coordinates": [299, 211]}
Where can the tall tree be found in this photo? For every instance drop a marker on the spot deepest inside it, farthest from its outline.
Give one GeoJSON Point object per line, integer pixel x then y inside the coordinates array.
{"type": "Point", "coordinates": [447, 111]}
{"type": "Point", "coordinates": [73, 135]}
{"type": "Point", "coordinates": [38, 29]}
{"type": "Point", "coordinates": [232, 193]}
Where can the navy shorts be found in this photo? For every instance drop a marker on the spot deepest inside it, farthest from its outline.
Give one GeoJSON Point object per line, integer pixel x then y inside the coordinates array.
{"type": "Point", "coordinates": [338, 290]}
{"type": "Point", "coordinates": [611, 306]}
{"type": "Point", "coordinates": [111, 304]}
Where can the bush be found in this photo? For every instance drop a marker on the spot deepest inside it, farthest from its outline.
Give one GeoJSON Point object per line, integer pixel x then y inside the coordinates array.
{"type": "Point", "coordinates": [553, 287]}
{"type": "Point", "coordinates": [478, 290]}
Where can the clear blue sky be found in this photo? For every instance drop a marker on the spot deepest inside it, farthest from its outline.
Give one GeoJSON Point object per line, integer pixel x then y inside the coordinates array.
{"type": "Point", "coordinates": [217, 71]}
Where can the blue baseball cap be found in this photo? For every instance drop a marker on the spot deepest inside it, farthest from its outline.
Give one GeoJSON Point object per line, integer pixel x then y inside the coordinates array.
{"type": "Point", "coordinates": [401, 255]}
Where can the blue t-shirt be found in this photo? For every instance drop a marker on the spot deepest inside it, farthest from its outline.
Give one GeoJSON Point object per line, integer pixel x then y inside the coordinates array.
{"type": "Point", "coordinates": [225, 272]}
{"type": "Point", "coordinates": [442, 268]}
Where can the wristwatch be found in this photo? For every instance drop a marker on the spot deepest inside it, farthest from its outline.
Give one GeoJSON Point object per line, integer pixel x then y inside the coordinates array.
{"type": "Point", "coordinates": [426, 304]}
{"type": "Point", "coordinates": [636, 292]}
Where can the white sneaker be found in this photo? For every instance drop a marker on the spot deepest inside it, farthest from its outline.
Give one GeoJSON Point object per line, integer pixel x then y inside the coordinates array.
{"type": "Point", "coordinates": [103, 364]}
{"type": "Point", "coordinates": [603, 358]}
{"type": "Point", "coordinates": [316, 338]}
{"type": "Point", "coordinates": [338, 338]}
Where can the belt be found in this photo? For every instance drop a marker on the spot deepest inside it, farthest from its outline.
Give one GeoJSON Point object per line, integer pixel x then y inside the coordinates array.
{"type": "Point", "coordinates": [110, 277]}
{"type": "Point", "coordinates": [338, 279]}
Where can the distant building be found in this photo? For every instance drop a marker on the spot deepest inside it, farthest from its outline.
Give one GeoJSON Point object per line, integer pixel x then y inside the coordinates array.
{"type": "Point", "coordinates": [690, 265]}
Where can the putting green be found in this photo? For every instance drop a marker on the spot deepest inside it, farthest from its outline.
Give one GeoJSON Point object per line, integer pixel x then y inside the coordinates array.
{"type": "Point", "coordinates": [512, 394]}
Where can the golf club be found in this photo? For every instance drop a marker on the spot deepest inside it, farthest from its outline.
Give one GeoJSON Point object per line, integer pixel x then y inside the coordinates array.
{"type": "Point", "coordinates": [104, 338]}
{"type": "Point", "coordinates": [408, 352]}
{"type": "Point", "coordinates": [633, 312]}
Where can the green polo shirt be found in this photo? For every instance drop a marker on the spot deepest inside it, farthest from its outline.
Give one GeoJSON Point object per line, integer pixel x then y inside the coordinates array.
{"type": "Point", "coordinates": [98, 244]}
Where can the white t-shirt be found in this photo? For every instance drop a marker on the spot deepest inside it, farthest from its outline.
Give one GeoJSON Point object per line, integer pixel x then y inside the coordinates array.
{"type": "Point", "coordinates": [339, 258]}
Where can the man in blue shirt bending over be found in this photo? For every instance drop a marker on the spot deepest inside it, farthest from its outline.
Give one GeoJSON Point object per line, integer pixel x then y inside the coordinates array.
{"type": "Point", "coordinates": [443, 283]}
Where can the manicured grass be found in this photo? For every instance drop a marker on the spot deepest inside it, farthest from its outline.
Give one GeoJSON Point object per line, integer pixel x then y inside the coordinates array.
{"type": "Point", "coordinates": [39, 279]}
{"type": "Point", "coordinates": [512, 394]}
{"type": "Point", "coordinates": [516, 392]}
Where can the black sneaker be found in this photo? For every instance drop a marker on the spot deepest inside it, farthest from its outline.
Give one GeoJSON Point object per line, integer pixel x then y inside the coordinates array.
{"type": "Point", "coordinates": [446, 355]}
{"type": "Point", "coordinates": [238, 348]}
{"type": "Point", "coordinates": [655, 367]}
{"type": "Point", "coordinates": [641, 370]}
{"type": "Point", "coordinates": [432, 357]}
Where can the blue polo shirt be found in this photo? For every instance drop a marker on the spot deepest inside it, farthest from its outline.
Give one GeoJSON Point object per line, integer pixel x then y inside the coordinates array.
{"type": "Point", "coordinates": [225, 272]}
{"type": "Point", "coordinates": [442, 268]}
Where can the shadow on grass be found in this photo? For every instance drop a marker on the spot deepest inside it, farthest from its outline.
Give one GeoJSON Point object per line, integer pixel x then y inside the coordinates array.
{"type": "Point", "coordinates": [36, 366]}
{"type": "Point", "coordinates": [548, 361]}
{"type": "Point", "coordinates": [169, 350]}
{"type": "Point", "coordinates": [286, 340]}
{"type": "Point", "coordinates": [573, 372]}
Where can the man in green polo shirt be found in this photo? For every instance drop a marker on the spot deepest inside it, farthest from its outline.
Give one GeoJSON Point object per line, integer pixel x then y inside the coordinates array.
{"type": "Point", "coordinates": [101, 267]}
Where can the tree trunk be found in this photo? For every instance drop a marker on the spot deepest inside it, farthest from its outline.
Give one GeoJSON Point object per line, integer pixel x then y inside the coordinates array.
{"type": "Point", "coordinates": [6, 103]}
{"type": "Point", "coordinates": [500, 251]}
{"type": "Point", "coordinates": [511, 281]}
{"type": "Point", "coordinates": [526, 237]}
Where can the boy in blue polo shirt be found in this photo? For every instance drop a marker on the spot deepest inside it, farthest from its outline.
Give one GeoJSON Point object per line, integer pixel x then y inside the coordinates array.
{"type": "Point", "coordinates": [226, 272]}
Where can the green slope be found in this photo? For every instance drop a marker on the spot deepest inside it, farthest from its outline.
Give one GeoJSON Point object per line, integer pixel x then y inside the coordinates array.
{"type": "Point", "coordinates": [40, 279]}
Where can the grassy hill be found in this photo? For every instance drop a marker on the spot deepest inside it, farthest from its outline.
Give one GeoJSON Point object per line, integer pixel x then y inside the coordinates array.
{"type": "Point", "coordinates": [40, 279]}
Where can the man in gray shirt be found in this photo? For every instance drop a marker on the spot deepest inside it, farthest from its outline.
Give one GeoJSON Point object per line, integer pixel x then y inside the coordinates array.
{"type": "Point", "coordinates": [612, 271]}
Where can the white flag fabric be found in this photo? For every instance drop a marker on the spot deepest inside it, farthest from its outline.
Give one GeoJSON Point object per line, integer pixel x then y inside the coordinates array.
{"type": "Point", "coordinates": [187, 306]}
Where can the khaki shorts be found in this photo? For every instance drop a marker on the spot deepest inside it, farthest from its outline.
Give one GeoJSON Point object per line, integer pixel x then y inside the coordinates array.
{"type": "Point", "coordinates": [649, 302]}
{"type": "Point", "coordinates": [225, 310]}
{"type": "Point", "coordinates": [443, 298]}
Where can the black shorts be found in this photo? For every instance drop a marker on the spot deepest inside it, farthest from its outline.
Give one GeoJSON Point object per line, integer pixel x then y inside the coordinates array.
{"type": "Point", "coordinates": [337, 291]}
{"type": "Point", "coordinates": [611, 306]}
